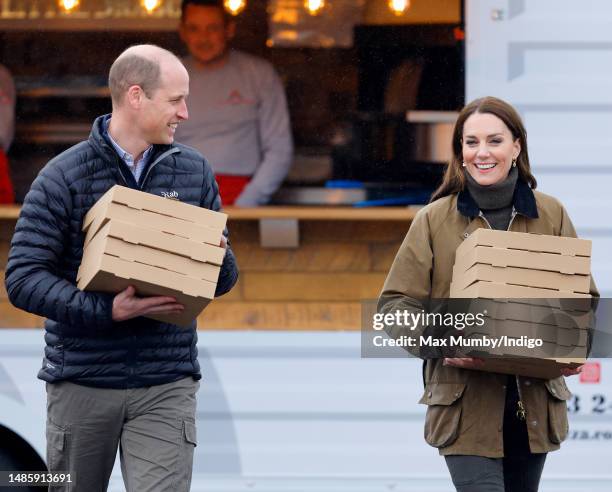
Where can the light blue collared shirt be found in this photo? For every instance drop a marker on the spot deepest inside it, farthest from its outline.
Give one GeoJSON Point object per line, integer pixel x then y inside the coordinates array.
{"type": "Point", "coordinates": [128, 158]}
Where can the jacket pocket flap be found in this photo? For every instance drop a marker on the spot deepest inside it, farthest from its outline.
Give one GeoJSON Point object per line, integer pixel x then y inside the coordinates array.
{"type": "Point", "coordinates": [189, 430]}
{"type": "Point", "coordinates": [558, 389]}
{"type": "Point", "coordinates": [442, 393]}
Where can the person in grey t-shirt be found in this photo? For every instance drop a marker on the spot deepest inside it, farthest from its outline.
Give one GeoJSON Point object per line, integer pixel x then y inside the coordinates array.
{"type": "Point", "coordinates": [7, 108]}
{"type": "Point", "coordinates": [7, 131]}
{"type": "Point", "coordinates": [238, 111]}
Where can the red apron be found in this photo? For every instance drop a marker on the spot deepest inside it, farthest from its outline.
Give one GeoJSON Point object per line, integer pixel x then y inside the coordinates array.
{"type": "Point", "coordinates": [7, 194]}
{"type": "Point", "coordinates": [230, 187]}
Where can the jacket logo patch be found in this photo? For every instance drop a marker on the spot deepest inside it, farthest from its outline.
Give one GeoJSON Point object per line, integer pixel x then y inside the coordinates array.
{"type": "Point", "coordinates": [172, 195]}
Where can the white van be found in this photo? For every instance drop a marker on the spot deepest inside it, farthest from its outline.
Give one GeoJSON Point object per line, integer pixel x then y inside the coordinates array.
{"type": "Point", "coordinates": [296, 411]}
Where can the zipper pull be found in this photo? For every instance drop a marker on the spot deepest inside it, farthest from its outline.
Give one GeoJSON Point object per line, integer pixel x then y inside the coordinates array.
{"type": "Point", "coordinates": [520, 411]}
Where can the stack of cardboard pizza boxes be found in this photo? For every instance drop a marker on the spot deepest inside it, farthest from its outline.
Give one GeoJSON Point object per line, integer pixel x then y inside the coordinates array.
{"type": "Point", "coordinates": [162, 247]}
{"type": "Point", "coordinates": [527, 287]}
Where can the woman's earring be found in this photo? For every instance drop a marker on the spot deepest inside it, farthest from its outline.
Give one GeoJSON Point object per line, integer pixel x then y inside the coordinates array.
{"type": "Point", "coordinates": [513, 162]}
{"type": "Point", "coordinates": [464, 164]}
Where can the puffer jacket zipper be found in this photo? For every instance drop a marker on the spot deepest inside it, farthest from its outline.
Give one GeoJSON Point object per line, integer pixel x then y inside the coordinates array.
{"type": "Point", "coordinates": [160, 158]}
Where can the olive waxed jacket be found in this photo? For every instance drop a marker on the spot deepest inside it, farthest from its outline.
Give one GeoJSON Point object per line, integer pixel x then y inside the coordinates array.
{"type": "Point", "coordinates": [465, 407]}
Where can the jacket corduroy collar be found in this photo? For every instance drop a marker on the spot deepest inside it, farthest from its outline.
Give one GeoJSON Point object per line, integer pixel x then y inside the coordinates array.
{"type": "Point", "coordinates": [523, 201]}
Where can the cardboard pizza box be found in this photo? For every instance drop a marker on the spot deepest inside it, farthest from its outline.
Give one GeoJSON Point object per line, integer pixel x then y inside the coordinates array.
{"type": "Point", "coordinates": [525, 241]}
{"type": "Point", "coordinates": [501, 257]}
{"type": "Point", "coordinates": [521, 276]}
{"type": "Point", "coordinates": [105, 273]}
{"type": "Point", "coordinates": [154, 212]}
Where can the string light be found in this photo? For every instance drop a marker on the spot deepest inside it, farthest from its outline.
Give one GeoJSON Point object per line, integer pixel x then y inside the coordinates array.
{"type": "Point", "coordinates": [234, 7]}
{"type": "Point", "coordinates": [314, 7]}
{"type": "Point", "coordinates": [399, 7]}
{"type": "Point", "coordinates": [68, 5]}
{"type": "Point", "coordinates": [150, 5]}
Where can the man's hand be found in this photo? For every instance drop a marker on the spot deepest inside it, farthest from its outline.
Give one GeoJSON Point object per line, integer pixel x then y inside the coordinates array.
{"type": "Point", "coordinates": [464, 362]}
{"type": "Point", "coordinates": [223, 242]}
{"type": "Point", "coordinates": [568, 371]}
{"type": "Point", "coordinates": [126, 305]}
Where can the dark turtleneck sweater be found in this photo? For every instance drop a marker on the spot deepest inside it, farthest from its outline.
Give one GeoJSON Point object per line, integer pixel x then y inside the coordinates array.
{"type": "Point", "coordinates": [495, 201]}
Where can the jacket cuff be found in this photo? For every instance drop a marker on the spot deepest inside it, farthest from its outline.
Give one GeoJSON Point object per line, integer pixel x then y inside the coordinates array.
{"type": "Point", "coordinates": [105, 319]}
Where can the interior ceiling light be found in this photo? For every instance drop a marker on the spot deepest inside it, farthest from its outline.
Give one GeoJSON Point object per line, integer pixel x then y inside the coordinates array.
{"type": "Point", "coordinates": [234, 7]}
{"type": "Point", "coordinates": [399, 7]}
{"type": "Point", "coordinates": [314, 7]}
{"type": "Point", "coordinates": [68, 5]}
{"type": "Point", "coordinates": [150, 5]}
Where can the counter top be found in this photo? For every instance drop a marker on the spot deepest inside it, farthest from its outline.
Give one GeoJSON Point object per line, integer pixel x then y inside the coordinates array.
{"type": "Point", "coordinates": [323, 213]}
{"type": "Point", "coordinates": [11, 212]}
{"type": "Point", "coordinates": [301, 267]}
{"type": "Point", "coordinates": [432, 117]}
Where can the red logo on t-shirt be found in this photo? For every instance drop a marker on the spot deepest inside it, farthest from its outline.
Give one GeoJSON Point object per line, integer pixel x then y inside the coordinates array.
{"type": "Point", "coordinates": [236, 98]}
{"type": "Point", "coordinates": [4, 99]}
{"type": "Point", "coordinates": [591, 373]}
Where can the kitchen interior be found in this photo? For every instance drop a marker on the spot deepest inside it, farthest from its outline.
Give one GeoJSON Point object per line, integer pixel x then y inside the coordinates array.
{"type": "Point", "coordinates": [373, 88]}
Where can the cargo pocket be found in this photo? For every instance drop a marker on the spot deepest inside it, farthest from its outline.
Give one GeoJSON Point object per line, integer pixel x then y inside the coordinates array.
{"type": "Point", "coordinates": [558, 394]}
{"type": "Point", "coordinates": [57, 448]}
{"type": "Point", "coordinates": [188, 444]}
{"type": "Point", "coordinates": [443, 412]}
{"type": "Point", "coordinates": [189, 433]}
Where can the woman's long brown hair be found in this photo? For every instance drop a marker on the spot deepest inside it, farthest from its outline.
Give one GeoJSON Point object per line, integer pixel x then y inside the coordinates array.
{"type": "Point", "coordinates": [454, 179]}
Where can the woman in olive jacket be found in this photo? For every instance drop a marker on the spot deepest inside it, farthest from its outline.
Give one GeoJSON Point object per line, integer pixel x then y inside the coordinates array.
{"type": "Point", "coordinates": [493, 429]}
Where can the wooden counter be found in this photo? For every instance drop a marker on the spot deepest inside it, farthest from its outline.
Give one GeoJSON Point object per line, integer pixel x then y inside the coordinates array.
{"type": "Point", "coordinates": [11, 212]}
{"type": "Point", "coordinates": [342, 257]}
{"type": "Point", "coordinates": [324, 213]}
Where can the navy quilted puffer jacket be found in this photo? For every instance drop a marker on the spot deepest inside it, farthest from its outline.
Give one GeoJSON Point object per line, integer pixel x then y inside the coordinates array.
{"type": "Point", "coordinates": [83, 344]}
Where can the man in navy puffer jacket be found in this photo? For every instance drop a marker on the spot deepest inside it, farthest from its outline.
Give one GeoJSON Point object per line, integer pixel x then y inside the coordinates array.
{"type": "Point", "coordinates": [115, 378]}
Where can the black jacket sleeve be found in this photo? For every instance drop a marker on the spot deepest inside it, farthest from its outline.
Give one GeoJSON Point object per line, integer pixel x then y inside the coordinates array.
{"type": "Point", "coordinates": [41, 235]}
{"type": "Point", "coordinates": [211, 200]}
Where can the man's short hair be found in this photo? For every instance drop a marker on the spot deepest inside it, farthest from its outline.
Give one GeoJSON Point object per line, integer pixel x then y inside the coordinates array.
{"type": "Point", "coordinates": [205, 3]}
{"type": "Point", "coordinates": [131, 70]}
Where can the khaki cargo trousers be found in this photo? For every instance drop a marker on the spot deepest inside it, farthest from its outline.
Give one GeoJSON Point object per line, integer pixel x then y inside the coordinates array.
{"type": "Point", "coordinates": [153, 427]}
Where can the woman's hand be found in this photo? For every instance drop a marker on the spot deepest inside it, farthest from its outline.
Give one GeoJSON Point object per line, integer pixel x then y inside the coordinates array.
{"type": "Point", "coordinates": [464, 362]}
{"type": "Point", "coordinates": [569, 371]}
